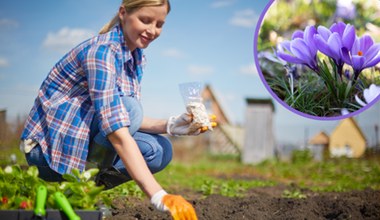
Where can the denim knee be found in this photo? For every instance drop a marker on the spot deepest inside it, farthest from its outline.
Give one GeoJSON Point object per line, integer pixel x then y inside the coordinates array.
{"type": "Point", "coordinates": [156, 150]}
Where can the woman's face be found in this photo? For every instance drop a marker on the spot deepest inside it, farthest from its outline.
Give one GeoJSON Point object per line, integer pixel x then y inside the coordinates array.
{"type": "Point", "coordinates": [142, 26]}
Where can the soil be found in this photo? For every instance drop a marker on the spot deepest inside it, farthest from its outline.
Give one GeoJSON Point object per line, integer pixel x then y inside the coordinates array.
{"type": "Point", "coordinates": [265, 203]}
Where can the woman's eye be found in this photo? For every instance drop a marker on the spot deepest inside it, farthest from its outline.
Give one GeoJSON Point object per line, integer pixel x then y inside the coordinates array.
{"type": "Point", "coordinates": [159, 25]}
{"type": "Point", "coordinates": [145, 20]}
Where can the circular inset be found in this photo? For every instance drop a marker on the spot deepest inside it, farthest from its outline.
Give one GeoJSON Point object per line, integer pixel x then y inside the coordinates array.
{"type": "Point", "coordinates": [316, 59]}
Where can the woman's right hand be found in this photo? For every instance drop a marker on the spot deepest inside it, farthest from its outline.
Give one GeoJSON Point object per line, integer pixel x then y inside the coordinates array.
{"type": "Point", "coordinates": [178, 207]}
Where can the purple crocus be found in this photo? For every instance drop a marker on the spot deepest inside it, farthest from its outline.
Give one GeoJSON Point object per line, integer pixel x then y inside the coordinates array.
{"type": "Point", "coordinates": [301, 49]}
{"type": "Point", "coordinates": [363, 54]}
{"type": "Point", "coordinates": [331, 41]}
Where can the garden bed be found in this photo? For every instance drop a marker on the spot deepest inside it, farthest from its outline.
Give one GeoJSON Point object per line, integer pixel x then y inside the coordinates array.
{"type": "Point", "coordinates": [266, 203]}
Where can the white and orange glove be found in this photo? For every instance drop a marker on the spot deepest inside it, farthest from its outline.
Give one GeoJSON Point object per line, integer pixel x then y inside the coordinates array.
{"type": "Point", "coordinates": [185, 125]}
{"type": "Point", "coordinates": [178, 207]}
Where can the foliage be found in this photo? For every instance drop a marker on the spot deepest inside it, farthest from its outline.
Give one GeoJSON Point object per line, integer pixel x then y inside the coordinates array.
{"type": "Point", "coordinates": [301, 156]}
{"type": "Point", "coordinates": [229, 188]}
{"type": "Point", "coordinates": [79, 188]}
{"type": "Point", "coordinates": [18, 188]}
{"type": "Point", "coordinates": [210, 175]}
{"type": "Point", "coordinates": [124, 190]}
{"type": "Point", "coordinates": [293, 194]}
{"type": "Point", "coordinates": [337, 175]}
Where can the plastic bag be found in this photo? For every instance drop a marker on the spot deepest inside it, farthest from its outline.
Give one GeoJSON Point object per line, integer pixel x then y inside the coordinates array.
{"type": "Point", "coordinates": [191, 94]}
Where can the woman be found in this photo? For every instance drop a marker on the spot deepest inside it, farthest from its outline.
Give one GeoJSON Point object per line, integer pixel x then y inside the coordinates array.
{"type": "Point", "coordinates": [89, 106]}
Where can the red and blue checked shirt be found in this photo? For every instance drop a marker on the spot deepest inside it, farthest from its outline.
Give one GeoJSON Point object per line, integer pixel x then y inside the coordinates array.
{"type": "Point", "coordinates": [86, 83]}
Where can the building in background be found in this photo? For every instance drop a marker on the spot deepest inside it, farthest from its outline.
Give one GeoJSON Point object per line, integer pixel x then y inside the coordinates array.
{"type": "Point", "coordinates": [319, 146]}
{"type": "Point", "coordinates": [259, 140]}
{"type": "Point", "coordinates": [3, 125]}
{"type": "Point", "coordinates": [346, 140]}
{"type": "Point", "coordinates": [226, 138]}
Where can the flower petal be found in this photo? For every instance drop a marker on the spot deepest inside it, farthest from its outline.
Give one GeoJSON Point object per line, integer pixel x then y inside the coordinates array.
{"type": "Point", "coordinates": [323, 46]}
{"type": "Point", "coordinates": [356, 46]}
{"type": "Point", "coordinates": [361, 102]}
{"type": "Point", "coordinates": [371, 93]}
{"type": "Point", "coordinates": [309, 33]}
{"type": "Point", "coordinates": [346, 56]}
{"type": "Point", "coordinates": [372, 53]}
{"type": "Point", "coordinates": [286, 45]}
{"type": "Point", "coordinates": [289, 58]}
{"type": "Point", "coordinates": [335, 44]}
{"type": "Point", "coordinates": [358, 62]}
{"type": "Point", "coordinates": [344, 111]}
{"type": "Point", "coordinates": [299, 48]}
{"type": "Point", "coordinates": [349, 36]}
{"type": "Point", "coordinates": [324, 32]}
{"type": "Point", "coordinates": [365, 43]}
{"type": "Point", "coordinates": [297, 34]}
{"type": "Point", "coordinates": [373, 62]}
{"type": "Point", "coordinates": [338, 28]}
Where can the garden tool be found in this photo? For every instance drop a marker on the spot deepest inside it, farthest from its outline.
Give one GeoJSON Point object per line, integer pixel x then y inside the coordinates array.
{"type": "Point", "coordinates": [63, 204]}
{"type": "Point", "coordinates": [39, 208]}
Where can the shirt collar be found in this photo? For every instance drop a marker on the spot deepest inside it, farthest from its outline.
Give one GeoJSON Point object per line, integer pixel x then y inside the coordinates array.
{"type": "Point", "coordinates": [137, 54]}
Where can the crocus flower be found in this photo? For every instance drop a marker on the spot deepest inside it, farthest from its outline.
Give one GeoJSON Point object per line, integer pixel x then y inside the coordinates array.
{"type": "Point", "coordinates": [345, 9]}
{"type": "Point", "coordinates": [331, 41]}
{"type": "Point", "coordinates": [369, 94]}
{"type": "Point", "coordinates": [363, 54]}
{"type": "Point", "coordinates": [301, 49]}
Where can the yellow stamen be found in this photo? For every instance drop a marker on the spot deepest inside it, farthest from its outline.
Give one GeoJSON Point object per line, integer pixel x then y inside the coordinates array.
{"type": "Point", "coordinates": [360, 53]}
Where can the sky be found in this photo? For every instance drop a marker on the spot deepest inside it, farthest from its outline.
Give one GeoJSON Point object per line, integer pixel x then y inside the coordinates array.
{"type": "Point", "coordinates": [209, 41]}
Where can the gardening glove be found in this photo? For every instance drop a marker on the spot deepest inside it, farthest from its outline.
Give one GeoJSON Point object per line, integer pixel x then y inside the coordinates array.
{"type": "Point", "coordinates": [185, 125]}
{"type": "Point", "coordinates": [178, 207]}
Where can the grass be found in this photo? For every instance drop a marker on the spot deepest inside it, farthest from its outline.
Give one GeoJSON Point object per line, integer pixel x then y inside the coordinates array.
{"type": "Point", "coordinates": [211, 175]}
{"type": "Point", "coordinates": [226, 175]}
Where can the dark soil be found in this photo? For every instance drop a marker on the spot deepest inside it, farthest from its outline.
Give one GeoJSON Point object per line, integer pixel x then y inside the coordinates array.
{"type": "Point", "coordinates": [266, 203]}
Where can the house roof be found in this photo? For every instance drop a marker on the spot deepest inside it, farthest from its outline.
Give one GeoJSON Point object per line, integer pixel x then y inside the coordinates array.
{"type": "Point", "coordinates": [214, 98]}
{"type": "Point", "coordinates": [319, 139]}
{"type": "Point", "coordinates": [323, 138]}
{"type": "Point", "coordinates": [251, 101]}
{"type": "Point", "coordinates": [353, 123]}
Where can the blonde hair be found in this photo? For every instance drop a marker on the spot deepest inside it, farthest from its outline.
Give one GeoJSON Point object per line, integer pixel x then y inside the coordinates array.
{"type": "Point", "coordinates": [130, 6]}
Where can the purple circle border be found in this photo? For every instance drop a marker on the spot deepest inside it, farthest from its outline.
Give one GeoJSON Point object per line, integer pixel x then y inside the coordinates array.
{"type": "Point", "coordinates": [274, 95]}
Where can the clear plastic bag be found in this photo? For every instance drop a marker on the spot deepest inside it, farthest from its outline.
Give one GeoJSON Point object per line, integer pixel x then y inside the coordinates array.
{"type": "Point", "coordinates": [191, 94]}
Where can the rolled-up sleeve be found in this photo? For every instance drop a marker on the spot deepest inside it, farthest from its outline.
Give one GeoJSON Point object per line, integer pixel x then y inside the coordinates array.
{"type": "Point", "coordinates": [102, 68]}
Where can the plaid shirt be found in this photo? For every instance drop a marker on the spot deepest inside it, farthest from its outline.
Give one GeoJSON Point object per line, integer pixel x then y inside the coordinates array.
{"type": "Point", "coordinates": [86, 83]}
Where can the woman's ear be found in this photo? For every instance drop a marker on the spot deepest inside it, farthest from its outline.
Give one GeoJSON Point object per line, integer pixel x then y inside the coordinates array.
{"type": "Point", "coordinates": [122, 12]}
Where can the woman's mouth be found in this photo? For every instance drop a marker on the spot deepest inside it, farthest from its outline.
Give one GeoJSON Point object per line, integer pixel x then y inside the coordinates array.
{"type": "Point", "coordinates": [146, 40]}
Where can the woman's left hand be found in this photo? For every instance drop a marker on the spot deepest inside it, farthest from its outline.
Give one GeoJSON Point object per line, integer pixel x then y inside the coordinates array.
{"type": "Point", "coordinates": [183, 125]}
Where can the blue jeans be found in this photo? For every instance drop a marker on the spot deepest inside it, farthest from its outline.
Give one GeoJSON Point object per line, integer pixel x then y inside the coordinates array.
{"type": "Point", "coordinates": [156, 149]}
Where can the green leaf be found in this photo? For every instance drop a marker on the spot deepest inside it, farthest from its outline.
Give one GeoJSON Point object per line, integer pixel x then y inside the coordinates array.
{"type": "Point", "coordinates": [32, 171]}
{"type": "Point", "coordinates": [69, 177]}
{"type": "Point", "coordinates": [76, 173]}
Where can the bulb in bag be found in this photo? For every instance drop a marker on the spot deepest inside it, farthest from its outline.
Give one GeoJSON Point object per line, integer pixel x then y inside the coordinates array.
{"type": "Point", "coordinates": [191, 94]}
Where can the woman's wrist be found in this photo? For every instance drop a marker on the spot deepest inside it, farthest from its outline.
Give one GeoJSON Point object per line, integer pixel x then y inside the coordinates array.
{"type": "Point", "coordinates": [156, 200]}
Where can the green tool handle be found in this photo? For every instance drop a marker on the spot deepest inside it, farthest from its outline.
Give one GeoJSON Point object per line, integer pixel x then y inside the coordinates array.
{"type": "Point", "coordinates": [39, 208]}
{"type": "Point", "coordinates": [62, 202]}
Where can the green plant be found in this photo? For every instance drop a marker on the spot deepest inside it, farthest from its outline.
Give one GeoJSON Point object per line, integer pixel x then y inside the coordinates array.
{"type": "Point", "coordinates": [18, 188]}
{"type": "Point", "coordinates": [208, 187]}
{"type": "Point", "coordinates": [301, 156]}
{"type": "Point", "coordinates": [293, 194]}
{"type": "Point", "coordinates": [79, 188]}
